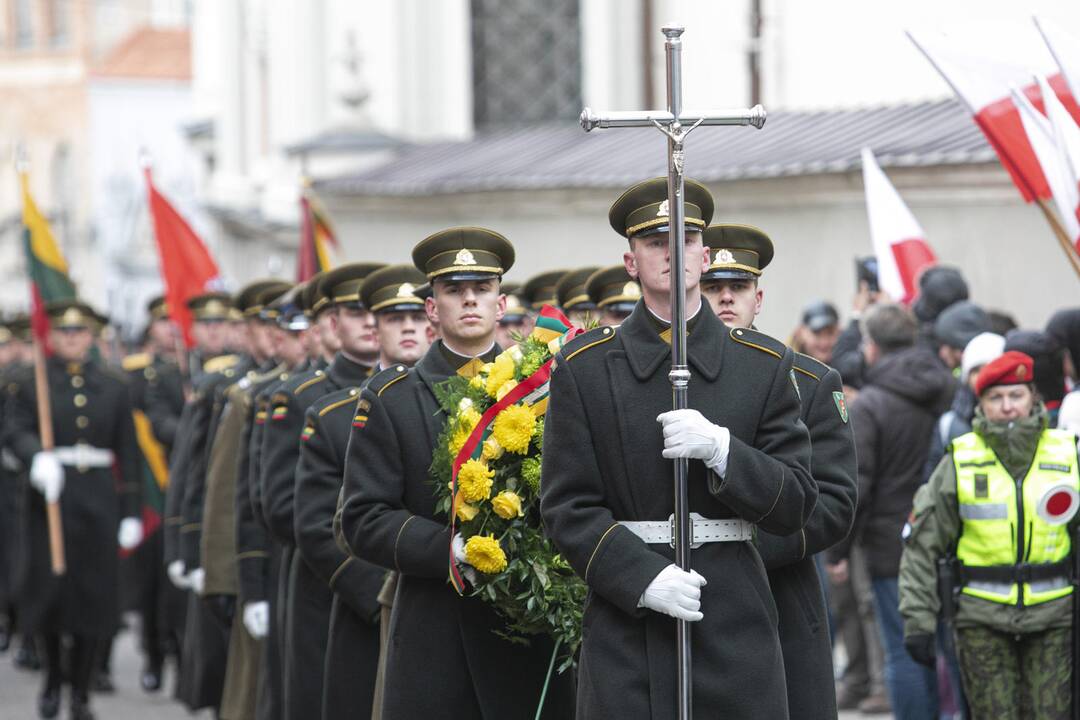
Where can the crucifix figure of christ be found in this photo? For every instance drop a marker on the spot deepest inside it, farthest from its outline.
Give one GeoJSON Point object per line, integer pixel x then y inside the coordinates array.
{"type": "Point", "coordinates": [676, 124]}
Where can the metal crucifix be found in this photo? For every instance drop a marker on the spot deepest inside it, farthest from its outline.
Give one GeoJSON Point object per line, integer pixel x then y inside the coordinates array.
{"type": "Point", "coordinates": [676, 124]}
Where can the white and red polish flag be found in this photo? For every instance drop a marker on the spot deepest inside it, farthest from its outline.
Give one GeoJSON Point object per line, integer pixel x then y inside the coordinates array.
{"type": "Point", "coordinates": [1055, 138]}
{"type": "Point", "coordinates": [1065, 49]}
{"type": "Point", "coordinates": [899, 241]}
{"type": "Point", "coordinates": [982, 66]}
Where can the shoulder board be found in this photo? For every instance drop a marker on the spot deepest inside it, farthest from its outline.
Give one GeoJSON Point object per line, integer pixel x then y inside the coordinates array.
{"type": "Point", "coordinates": [809, 366]}
{"type": "Point", "coordinates": [590, 339]}
{"type": "Point", "coordinates": [338, 402]}
{"type": "Point", "coordinates": [759, 341]}
{"type": "Point", "coordinates": [279, 398]}
{"type": "Point", "coordinates": [306, 382]}
{"type": "Point", "coordinates": [385, 378]}
{"type": "Point", "coordinates": [220, 363]}
{"type": "Point", "coordinates": [138, 361]}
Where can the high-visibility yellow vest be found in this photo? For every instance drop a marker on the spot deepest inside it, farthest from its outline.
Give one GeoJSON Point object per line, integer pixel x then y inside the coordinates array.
{"type": "Point", "coordinates": [1015, 533]}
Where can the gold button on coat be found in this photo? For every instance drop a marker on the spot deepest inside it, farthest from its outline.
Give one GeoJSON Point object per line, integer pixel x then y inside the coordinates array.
{"type": "Point", "coordinates": [82, 421]}
{"type": "Point", "coordinates": [77, 381]}
{"type": "Point", "coordinates": [80, 400]}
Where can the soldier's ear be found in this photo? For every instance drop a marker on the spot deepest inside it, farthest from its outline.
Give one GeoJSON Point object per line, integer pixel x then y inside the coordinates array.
{"type": "Point", "coordinates": [630, 262]}
{"type": "Point", "coordinates": [432, 310]}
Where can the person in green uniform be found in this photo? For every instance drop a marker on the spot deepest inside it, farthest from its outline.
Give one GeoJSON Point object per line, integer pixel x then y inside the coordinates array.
{"type": "Point", "coordinates": [573, 297]}
{"type": "Point", "coordinates": [93, 472]}
{"type": "Point", "coordinates": [516, 321]}
{"type": "Point", "coordinates": [731, 284]}
{"type": "Point", "coordinates": [1003, 503]}
{"type": "Point", "coordinates": [614, 293]}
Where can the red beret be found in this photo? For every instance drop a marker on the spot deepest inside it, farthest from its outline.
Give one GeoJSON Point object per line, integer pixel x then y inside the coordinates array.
{"type": "Point", "coordinates": [1011, 368]}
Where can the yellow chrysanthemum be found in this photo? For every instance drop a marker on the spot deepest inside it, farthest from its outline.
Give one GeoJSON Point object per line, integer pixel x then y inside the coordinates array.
{"type": "Point", "coordinates": [465, 511]}
{"type": "Point", "coordinates": [502, 370]}
{"type": "Point", "coordinates": [468, 418]}
{"type": "Point", "coordinates": [477, 381]}
{"type": "Point", "coordinates": [492, 449]}
{"type": "Point", "coordinates": [507, 505]}
{"type": "Point", "coordinates": [474, 479]}
{"type": "Point", "coordinates": [514, 428]}
{"type": "Point", "coordinates": [457, 441]}
{"type": "Point", "coordinates": [485, 554]}
{"type": "Point", "coordinates": [506, 387]}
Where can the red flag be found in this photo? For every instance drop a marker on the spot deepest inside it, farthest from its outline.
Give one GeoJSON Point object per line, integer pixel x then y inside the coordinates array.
{"type": "Point", "coordinates": [982, 71]}
{"type": "Point", "coordinates": [186, 265]}
{"type": "Point", "coordinates": [316, 237]}
{"type": "Point", "coordinates": [899, 241]}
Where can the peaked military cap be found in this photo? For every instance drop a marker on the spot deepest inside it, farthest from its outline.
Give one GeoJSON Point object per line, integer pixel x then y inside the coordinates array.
{"type": "Point", "coordinates": [570, 291]}
{"type": "Point", "coordinates": [643, 209]}
{"type": "Point", "coordinates": [268, 298]}
{"type": "Point", "coordinates": [287, 309]}
{"type": "Point", "coordinates": [312, 298]}
{"type": "Point", "coordinates": [393, 288]}
{"type": "Point", "coordinates": [539, 290]}
{"type": "Point", "coordinates": [250, 298]}
{"type": "Point", "coordinates": [158, 308]}
{"type": "Point", "coordinates": [72, 314]}
{"type": "Point", "coordinates": [613, 286]}
{"type": "Point", "coordinates": [739, 252]}
{"type": "Point", "coordinates": [463, 253]}
{"type": "Point", "coordinates": [341, 286]}
{"type": "Point", "coordinates": [6, 335]}
{"type": "Point", "coordinates": [515, 303]}
{"type": "Point", "coordinates": [20, 327]}
{"type": "Point", "coordinates": [210, 306]}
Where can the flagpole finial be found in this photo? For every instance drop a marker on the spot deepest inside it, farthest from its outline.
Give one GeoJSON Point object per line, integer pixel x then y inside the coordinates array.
{"type": "Point", "coordinates": [22, 158]}
{"type": "Point", "coordinates": [673, 30]}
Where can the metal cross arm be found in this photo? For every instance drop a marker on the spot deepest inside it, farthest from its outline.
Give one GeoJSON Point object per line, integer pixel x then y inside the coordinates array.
{"type": "Point", "coordinates": [591, 119]}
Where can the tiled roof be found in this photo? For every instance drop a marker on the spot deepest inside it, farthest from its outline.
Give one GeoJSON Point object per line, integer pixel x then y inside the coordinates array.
{"type": "Point", "coordinates": [149, 54]}
{"type": "Point", "coordinates": [791, 143]}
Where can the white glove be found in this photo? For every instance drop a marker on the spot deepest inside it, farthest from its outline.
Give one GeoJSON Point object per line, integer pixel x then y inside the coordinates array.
{"type": "Point", "coordinates": [458, 543]}
{"type": "Point", "coordinates": [257, 618]}
{"type": "Point", "coordinates": [196, 580]}
{"type": "Point", "coordinates": [675, 592]}
{"type": "Point", "coordinates": [177, 574]}
{"type": "Point", "coordinates": [687, 434]}
{"type": "Point", "coordinates": [47, 475]}
{"type": "Point", "coordinates": [130, 533]}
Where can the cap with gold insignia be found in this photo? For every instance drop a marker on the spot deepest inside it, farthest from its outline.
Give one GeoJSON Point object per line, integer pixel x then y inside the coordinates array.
{"type": "Point", "coordinates": [270, 309]}
{"type": "Point", "coordinates": [570, 291]}
{"type": "Point", "coordinates": [72, 314]}
{"type": "Point", "coordinates": [20, 328]}
{"type": "Point", "coordinates": [311, 297]}
{"type": "Point", "coordinates": [463, 253]}
{"type": "Point", "coordinates": [643, 209]}
{"type": "Point", "coordinates": [739, 252]}
{"type": "Point", "coordinates": [158, 308]}
{"type": "Point", "coordinates": [612, 288]}
{"type": "Point", "coordinates": [287, 311]}
{"type": "Point", "coordinates": [249, 299]}
{"type": "Point", "coordinates": [210, 307]}
{"type": "Point", "coordinates": [341, 285]}
{"type": "Point", "coordinates": [515, 303]}
{"type": "Point", "coordinates": [539, 290]}
{"type": "Point", "coordinates": [6, 335]}
{"type": "Point", "coordinates": [393, 288]}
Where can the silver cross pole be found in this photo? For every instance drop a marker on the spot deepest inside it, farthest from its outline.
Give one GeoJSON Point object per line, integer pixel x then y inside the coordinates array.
{"type": "Point", "coordinates": [676, 124]}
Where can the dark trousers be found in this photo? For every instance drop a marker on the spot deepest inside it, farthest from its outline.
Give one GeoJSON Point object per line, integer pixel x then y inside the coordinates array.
{"type": "Point", "coordinates": [84, 650]}
{"type": "Point", "coordinates": [912, 687]}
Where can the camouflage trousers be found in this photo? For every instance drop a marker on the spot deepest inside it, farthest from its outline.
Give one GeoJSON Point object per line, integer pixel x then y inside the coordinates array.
{"type": "Point", "coordinates": [1027, 677]}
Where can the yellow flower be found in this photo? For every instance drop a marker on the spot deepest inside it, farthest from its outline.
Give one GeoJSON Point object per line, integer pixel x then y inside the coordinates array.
{"type": "Point", "coordinates": [506, 387]}
{"type": "Point", "coordinates": [474, 479]}
{"type": "Point", "coordinates": [502, 370]}
{"type": "Point", "coordinates": [477, 381]}
{"type": "Point", "coordinates": [507, 505]}
{"type": "Point", "coordinates": [485, 554]}
{"type": "Point", "coordinates": [514, 428]}
{"type": "Point", "coordinates": [492, 449]}
{"type": "Point", "coordinates": [468, 418]}
{"type": "Point", "coordinates": [465, 512]}
{"type": "Point", "coordinates": [457, 441]}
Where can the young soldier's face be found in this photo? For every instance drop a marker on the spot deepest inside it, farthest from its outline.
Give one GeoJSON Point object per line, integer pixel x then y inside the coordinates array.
{"type": "Point", "coordinates": [71, 344]}
{"type": "Point", "coordinates": [505, 332]}
{"type": "Point", "coordinates": [403, 335]}
{"type": "Point", "coordinates": [262, 342]}
{"type": "Point", "coordinates": [355, 329]}
{"type": "Point", "coordinates": [735, 302]}
{"type": "Point", "coordinates": [648, 260]}
{"type": "Point", "coordinates": [289, 347]}
{"type": "Point", "coordinates": [163, 335]}
{"type": "Point", "coordinates": [328, 333]}
{"type": "Point", "coordinates": [466, 310]}
{"type": "Point", "coordinates": [211, 335]}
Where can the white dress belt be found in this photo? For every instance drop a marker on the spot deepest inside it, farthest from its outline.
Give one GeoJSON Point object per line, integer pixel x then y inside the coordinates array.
{"type": "Point", "coordinates": [703, 530]}
{"type": "Point", "coordinates": [84, 456]}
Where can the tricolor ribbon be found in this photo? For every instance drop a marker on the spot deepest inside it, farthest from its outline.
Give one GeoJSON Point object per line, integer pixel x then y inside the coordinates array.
{"type": "Point", "coordinates": [555, 329]}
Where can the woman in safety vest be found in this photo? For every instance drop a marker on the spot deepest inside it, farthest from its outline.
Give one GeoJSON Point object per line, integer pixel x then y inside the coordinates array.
{"type": "Point", "coordinates": [1002, 503]}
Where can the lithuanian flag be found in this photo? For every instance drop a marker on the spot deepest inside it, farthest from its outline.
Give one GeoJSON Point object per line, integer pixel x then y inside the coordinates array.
{"type": "Point", "coordinates": [316, 237]}
{"type": "Point", "coordinates": [45, 263]}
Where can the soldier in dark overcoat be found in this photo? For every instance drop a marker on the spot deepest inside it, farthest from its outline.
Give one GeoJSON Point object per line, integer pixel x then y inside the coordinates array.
{"type": "Point", "coordinates": [606, 488]}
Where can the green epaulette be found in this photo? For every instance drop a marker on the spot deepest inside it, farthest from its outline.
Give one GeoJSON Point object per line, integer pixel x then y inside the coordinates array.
{"type": "Point", "coordinates": [809, 366]}
{"type": "Point", "coordinates": [596, 336]}
{"type": "Point", "coordinates": [759, 341]}
{"type": "Point", "coordinates": [385, 378]}
{"type": "Point", "coordinates": [220, 364]}
{"type": "Point", "coordinates": [138, 361]}
{"type": "Point", "coordinates": [318, 377]}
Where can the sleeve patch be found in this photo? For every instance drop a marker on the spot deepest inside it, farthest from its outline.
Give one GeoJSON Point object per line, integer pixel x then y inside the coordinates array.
{"type": "Point", "coordinates": [280, 412]}
{"type": "Point", "coordinates": [307, 432]}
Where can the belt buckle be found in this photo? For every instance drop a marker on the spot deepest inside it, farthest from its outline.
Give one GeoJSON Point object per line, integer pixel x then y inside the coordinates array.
{"type": "Point", "coordinates": [693, 517]}
{"type": "Point", "coordinates": [81, 457]}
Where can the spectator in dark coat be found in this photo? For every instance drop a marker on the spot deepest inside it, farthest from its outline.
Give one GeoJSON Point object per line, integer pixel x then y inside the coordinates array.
{"type": "Point", "coordinates": [1064, 326]}
{"type": "Point", "coordinates": [906, 389]}
{"type": "Point", "coordinates": [1049, 357]}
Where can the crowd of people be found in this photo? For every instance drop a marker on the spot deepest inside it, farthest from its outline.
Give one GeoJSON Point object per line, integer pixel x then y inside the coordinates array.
{"type": "Point", "coordinates": [898, 492]}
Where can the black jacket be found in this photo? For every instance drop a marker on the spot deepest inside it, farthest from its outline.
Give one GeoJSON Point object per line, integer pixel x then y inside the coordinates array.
{"type": "Point", "coordinates": [893, 417]}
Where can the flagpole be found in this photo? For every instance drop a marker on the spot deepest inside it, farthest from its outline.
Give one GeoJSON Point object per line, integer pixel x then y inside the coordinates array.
{"type": "Point", "coordinates": [45, 426]}
{"type": "Point", "coordinates": [1060, 234]}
